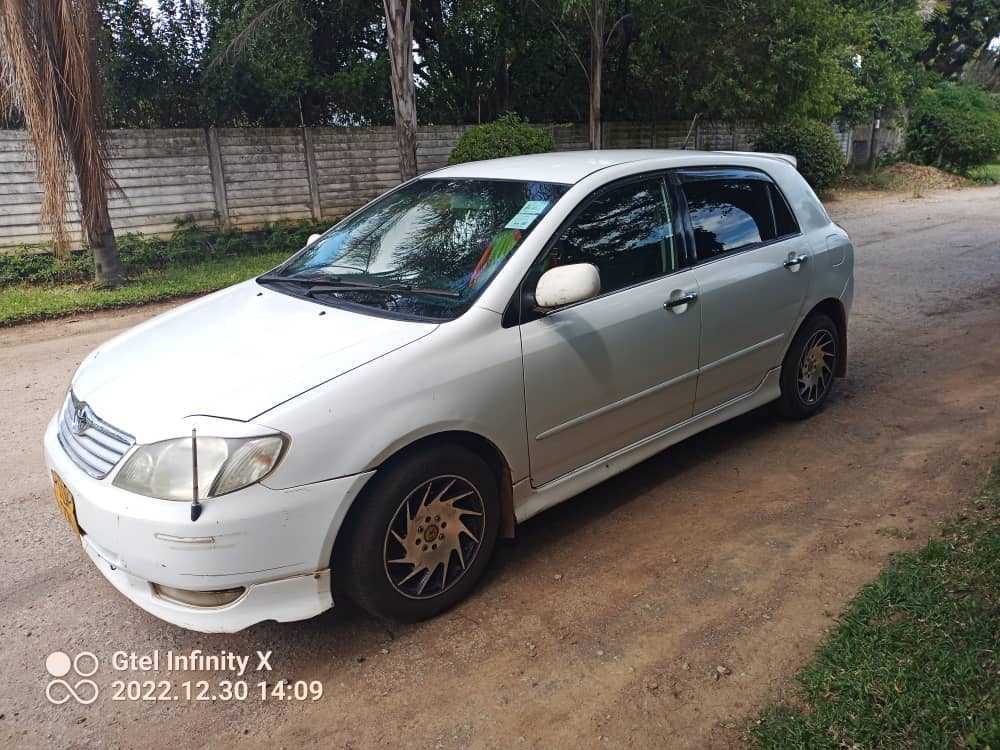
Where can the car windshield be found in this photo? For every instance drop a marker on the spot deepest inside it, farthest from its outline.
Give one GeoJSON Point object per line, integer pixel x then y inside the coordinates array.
{"type": "Point", "coordinates": [424, 250]}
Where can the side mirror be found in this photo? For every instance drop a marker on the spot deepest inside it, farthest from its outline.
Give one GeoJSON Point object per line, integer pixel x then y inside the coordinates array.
{"type": "Point", "coordinates": [312, 239]}
{"type": "Point", "coordinates": [564, 285]}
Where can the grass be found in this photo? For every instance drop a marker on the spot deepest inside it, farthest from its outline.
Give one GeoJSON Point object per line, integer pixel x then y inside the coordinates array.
{"type": "Point", "coordinates": [986, 175]}
{"type": "Point", "coordinates": [894, 532]}
{"type": "Point", "coordinates": [864, 180]}
{"type": "Point", "coordinates": [26, 302]}
{"type": "Point", "coordinates": [35, 284]}
{"type": "Point", "coordinates": [915, 660]}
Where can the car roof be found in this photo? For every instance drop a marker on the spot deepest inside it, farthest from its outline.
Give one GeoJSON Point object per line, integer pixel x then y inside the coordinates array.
{"type": "Point", "coordinates": [569, 167]}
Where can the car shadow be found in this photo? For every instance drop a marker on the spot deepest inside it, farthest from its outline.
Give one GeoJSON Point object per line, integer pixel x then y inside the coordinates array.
{"type": "Point", "coordinates": [594, 505]}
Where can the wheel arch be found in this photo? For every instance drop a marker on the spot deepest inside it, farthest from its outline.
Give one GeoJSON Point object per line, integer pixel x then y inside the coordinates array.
{"type": "Point", "coordinates": [472, 441]}
{"type": "Point", "coordinates": [834, 308]}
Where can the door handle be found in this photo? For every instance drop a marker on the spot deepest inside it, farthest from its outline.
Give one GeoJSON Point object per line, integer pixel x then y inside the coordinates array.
{"type": "Point", "coordinates": [684, 299]}
{"type": "Point", "coordinates": [798, 260]}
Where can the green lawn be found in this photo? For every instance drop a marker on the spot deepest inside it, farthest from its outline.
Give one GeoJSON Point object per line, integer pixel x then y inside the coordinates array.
{"type": "Point", "coordinates": [915, 660]}
{"type": "Point", "coordinates": [989, 174]}
{"type": "Point", "coordinates": [26, 302]}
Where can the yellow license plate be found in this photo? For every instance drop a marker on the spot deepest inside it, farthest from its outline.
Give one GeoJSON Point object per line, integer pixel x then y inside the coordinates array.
{"type": "Point", "coordinates": [64, 499]}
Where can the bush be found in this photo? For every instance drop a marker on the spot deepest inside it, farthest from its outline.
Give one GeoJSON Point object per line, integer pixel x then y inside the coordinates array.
{"type": "Point", "coordinates": [188, 244]}
{"type": "Point", "coordinates": [954, 126]}
{"type": "Point", "coordinates": [813, 143]}
{"type": "Point", "coordinates": [507, 136]}
{"type": "Point", "coordinates": [988, 174]}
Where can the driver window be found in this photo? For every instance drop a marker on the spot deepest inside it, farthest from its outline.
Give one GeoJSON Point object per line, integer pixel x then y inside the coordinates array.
{"type": "Point", "coordinates": [626, 232]}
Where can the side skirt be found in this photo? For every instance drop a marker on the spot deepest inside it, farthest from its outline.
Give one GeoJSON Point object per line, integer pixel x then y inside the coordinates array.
{"type": "Point", "coordinates": [529, 501]}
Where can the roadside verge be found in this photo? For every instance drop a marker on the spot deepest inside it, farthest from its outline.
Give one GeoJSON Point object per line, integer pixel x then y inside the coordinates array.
{"type": "Point", "coordinates": [915, 659]}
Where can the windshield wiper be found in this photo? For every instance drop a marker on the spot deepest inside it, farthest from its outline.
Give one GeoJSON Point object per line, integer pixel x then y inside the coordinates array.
{"type": "Point", "coordinates": [409, 288]}
{"type": "Point", "coordinates": [312, 280]}
{"type": "Point", "coordinates": [358, 286]}
{"type": "Point", "coordinates": [291, 279]}
{"type": "Point", "coordinates": [331, 284]}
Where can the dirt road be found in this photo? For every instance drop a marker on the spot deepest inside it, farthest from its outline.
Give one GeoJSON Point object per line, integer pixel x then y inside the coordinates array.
{"type": "Point", "coordinates": [604, 623]}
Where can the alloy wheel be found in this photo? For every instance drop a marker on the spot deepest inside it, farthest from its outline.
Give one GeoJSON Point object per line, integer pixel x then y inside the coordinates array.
{"type": "Point", "coordinates": [815, 370]}
{"type": "Point", "coordinates": [434, 536]}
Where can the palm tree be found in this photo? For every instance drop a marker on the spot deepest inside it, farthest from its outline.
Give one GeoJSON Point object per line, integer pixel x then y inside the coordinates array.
{"type": "Point", "coordinates": [49, 77]}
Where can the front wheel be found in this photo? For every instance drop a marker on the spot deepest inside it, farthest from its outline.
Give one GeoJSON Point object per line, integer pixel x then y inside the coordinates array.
{"type": "Point", "coordinates": [808, 369]}
{"type": "Point", "coordinates": [423, 535]}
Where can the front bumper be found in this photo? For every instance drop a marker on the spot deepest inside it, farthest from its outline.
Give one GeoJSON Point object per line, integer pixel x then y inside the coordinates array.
{"type": "Point", "coordinates": [296, 598]}
{"type": "Point", "coordinates": [275, 543]}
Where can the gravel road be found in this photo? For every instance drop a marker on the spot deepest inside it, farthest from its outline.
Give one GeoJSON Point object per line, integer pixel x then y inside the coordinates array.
{"type": "Point", "coordinates": [605, 622]}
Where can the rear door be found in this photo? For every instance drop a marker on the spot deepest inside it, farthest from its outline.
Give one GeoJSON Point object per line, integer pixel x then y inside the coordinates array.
{"type": "Point", "coordinates": [751, 264]}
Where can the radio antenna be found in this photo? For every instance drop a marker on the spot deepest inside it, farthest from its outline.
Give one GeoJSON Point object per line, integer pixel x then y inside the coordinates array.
{"type": "Point", "coordinates": [195, 505]}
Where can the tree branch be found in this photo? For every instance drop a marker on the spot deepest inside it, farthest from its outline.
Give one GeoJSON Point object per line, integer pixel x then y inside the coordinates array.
{"type": "Point", "coordinates": [239, 43]}
{"type": "Point", "coordinates": [611, 31]}
{"type": "Point", "coordinates": [569, 46]}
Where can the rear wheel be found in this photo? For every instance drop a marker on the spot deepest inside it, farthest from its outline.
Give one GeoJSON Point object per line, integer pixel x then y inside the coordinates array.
{"type": "Point", "coordinates": [807, 372]}
{"type": "Point", "coordinates": [423, 536]}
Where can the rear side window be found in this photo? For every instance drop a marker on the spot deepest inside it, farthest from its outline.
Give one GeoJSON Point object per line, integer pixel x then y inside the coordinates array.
{"type": "Point", "coordinates": [728, 214]}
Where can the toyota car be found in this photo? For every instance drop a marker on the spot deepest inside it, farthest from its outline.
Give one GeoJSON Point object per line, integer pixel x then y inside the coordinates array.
{"type": "Point", "coordinates": [471, 348]}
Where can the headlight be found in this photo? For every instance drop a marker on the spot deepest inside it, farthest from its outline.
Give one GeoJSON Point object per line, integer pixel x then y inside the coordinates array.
{"type": "Point", "coordinates": [164, 470]}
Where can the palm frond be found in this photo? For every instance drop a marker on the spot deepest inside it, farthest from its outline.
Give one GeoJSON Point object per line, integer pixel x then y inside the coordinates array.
{"type": "Point", "coordinates": [238, 44]}
{"type": "Point", "coordinates": [48, 75]}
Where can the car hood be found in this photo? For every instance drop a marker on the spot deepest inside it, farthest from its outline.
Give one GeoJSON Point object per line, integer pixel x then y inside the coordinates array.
{"type": "Point", "coordinates": [234, 354]}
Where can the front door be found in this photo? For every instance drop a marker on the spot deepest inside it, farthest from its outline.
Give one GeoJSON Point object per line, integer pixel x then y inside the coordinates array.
{"type": "Point", "coordinates": [602, 374]}
{"type": "Point", "coordinates": [752, 272]}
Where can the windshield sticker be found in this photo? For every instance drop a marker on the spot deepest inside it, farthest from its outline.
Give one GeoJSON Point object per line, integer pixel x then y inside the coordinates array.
{"type": "Point", "coordinates": [521, 221]}
{"type": "Point", "coordinates": [528, 213]}
{"type": "Point", "coordinates": [533, 207]}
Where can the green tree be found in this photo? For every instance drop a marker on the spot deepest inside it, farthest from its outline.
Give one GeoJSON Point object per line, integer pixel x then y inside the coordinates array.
{"type": "Point", "coordinates": [261, 70]}
{"type": "Point", "coordinates": [312, 61]}
{"type": "Point", "coordinates": [461, 58]}
{"type": "Point", "coordinates": [959, 31]}
{"type": "Point", "coordinates": [886, 71]}
{"type": "Point", "coordinates": [955, 126]}
{"type": "Point", "coordinates": [326, 61]}
{"type": "Point", "coordinates": [285, 36]}
{"type": "Point", "coordinates": [606, 21]}
{"type": "Point", "coordinates": [283, 62]}
{"type": "Point", "coordinates": [745, 59]}
{"type": "Point", "coordinates": [151, 64]}
{"type": "Point", "coordinates": [477, 59]}
{"type": "Point", "coordinates": [984, 71]}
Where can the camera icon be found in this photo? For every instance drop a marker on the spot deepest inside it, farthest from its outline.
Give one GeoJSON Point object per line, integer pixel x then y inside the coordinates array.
{"type": "Point", "coordinates": [59, 664]}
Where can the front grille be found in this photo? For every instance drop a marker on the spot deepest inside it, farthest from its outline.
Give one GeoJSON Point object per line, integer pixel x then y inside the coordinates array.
{"type": "Point", "coordinates": [93, 444]}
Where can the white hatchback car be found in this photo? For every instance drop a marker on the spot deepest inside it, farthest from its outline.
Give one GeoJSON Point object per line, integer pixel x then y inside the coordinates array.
{"type": "Point", "coordinates": [471, 348]}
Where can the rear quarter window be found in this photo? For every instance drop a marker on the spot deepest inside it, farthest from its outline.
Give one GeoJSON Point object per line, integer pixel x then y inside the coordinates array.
{"type": "Point", "coordinates": [785, 224]}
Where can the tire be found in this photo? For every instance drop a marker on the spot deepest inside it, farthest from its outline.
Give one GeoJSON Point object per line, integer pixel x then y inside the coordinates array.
{"type": "Point", "coordinates": [462, 532]}
{"type": "Point", "coordinates": [808, 372]}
